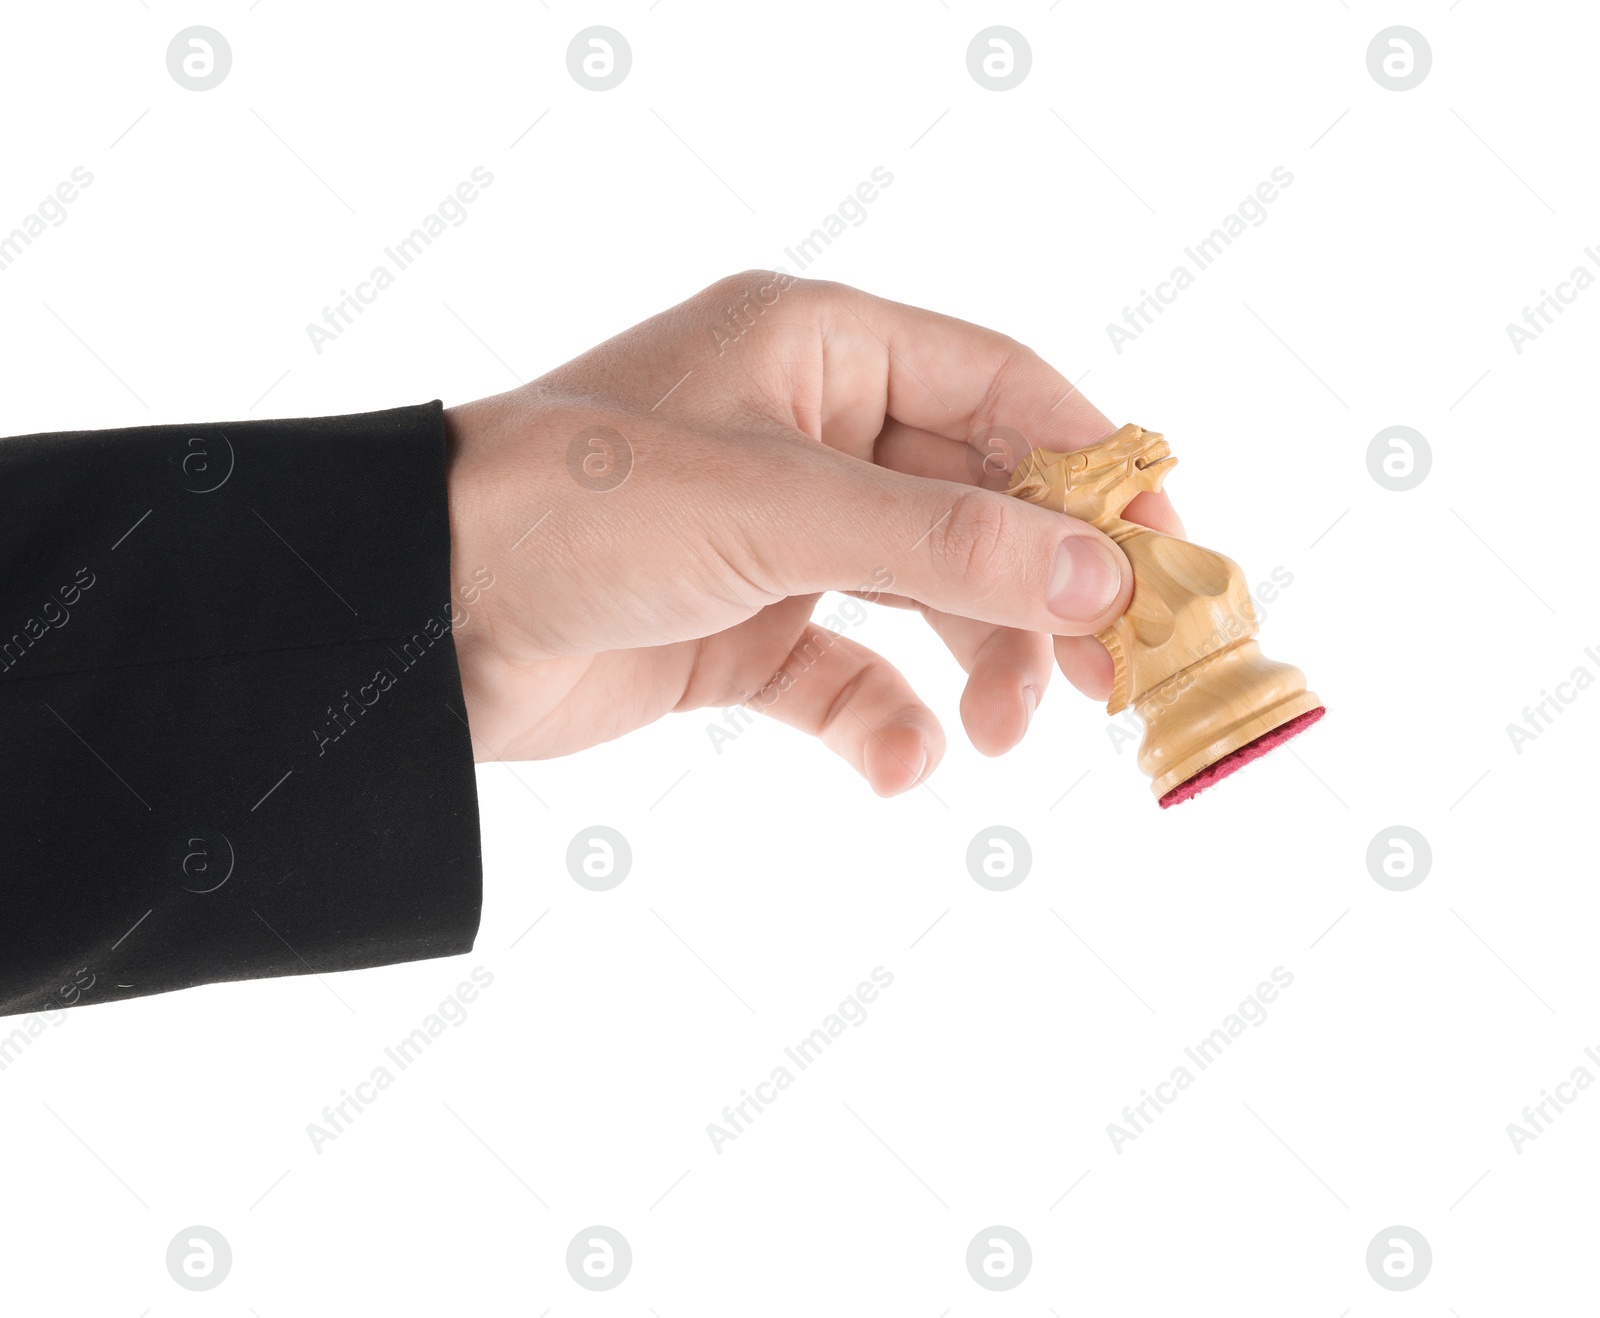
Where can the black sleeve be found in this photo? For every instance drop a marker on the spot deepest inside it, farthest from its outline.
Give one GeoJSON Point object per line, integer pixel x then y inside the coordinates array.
{"type": "Point", "coordinates": [232, 739]}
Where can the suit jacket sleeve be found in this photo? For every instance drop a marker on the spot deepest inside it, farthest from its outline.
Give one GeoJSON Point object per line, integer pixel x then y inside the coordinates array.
{"type": "Point", "coordinates": [232, 738]}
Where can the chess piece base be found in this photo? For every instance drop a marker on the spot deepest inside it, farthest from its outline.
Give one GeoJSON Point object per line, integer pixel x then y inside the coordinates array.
{"type": "Point", "coordinates": [1214, 709]}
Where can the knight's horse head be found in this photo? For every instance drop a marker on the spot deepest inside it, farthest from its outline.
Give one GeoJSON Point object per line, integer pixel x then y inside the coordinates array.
{"type": "Point", "coordinates": [1096, 481]}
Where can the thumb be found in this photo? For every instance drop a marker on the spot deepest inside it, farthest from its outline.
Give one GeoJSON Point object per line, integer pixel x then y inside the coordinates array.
{"type": "Point", "coordinates": [959, 549]}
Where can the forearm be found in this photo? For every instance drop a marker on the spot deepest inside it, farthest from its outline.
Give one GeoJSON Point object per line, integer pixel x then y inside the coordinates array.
{"type": "Point", "coordinates": [231, 707]}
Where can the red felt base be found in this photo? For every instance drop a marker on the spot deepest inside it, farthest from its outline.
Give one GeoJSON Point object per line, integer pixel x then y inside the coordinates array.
{"type": "Point", "coordinates": [1236, 760]}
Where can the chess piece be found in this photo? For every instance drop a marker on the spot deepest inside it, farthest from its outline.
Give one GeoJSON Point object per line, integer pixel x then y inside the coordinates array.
{"type": "Point", "coordinates": [1184, 654]}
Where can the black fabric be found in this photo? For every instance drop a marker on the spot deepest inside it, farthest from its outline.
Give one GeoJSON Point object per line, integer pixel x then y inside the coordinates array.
{"type": "Point", "coordinates": [232, 739]}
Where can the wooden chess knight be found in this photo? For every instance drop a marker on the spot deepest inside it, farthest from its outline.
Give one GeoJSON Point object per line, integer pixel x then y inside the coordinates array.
{"type": "Point", "coordinates": [1184, 654]}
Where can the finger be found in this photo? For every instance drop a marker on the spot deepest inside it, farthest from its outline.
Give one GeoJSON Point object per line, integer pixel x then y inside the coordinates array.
{"type": "Point", "coordinates": [1083, 661]}
{"type": "Point", "coordinates": [1086, 664]}
{"type": "Point", "coordinates": [859, 706]}
{"type": "Point", "coordinates": [839, 363]}
{"type": "Point", "coordinates": [729, 666]}
{"type": "Point", "coordinates": [830, 523]}
{"type": "Point", "coordinates": [1007, 673]}
{"type": "Point", "coordinates": [935, 373]}
{"type": "Point", "coordinates": [889, 601]}
{"type": "Point", "coordinates": [923, 376]}
{"type": "Point", "coordinates": [1155, 510]}
{"type": "Point", "coordinates": [898, 378]}
{"type": "Point", "coordinates": [988, 462]}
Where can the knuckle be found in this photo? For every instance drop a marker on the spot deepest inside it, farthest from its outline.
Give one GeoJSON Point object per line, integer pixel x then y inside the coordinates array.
{"type": "Point", "coordinates": [737, 304]}
{"type": "Point", "coordinates": [977, 540]}
{"type": "Point", "coordinates": [750, 285]}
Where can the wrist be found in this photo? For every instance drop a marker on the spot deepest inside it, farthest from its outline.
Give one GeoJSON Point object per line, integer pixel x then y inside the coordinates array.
{"type": "Point", "coordinates": [472, 576]}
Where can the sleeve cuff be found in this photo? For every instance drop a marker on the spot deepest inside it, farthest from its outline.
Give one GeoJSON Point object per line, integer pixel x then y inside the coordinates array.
{"type": "Point", "coordinates": [235, 742]}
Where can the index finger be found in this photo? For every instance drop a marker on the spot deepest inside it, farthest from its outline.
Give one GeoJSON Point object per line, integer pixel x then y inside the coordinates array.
{"type": "Point", "coordinates": [930, 395]}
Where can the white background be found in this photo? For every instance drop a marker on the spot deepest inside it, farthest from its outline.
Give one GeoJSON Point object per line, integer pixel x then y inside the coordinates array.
{"type": "Point", "coordinates": [579, 1088]}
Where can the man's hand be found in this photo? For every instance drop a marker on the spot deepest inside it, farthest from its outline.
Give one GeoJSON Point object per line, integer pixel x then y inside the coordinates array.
{"type": "Point", "coordinates": [659, 516]}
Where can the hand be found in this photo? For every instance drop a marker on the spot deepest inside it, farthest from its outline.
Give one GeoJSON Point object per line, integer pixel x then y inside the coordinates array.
{"type": "Point", "coordinates": [659, 516]}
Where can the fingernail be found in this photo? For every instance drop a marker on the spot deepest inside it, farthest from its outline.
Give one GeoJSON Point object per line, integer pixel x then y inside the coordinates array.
{"type": "Point", "coordinates": [1084, 581]}
{"type": "Point", "coordinates": [1030, 702]}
